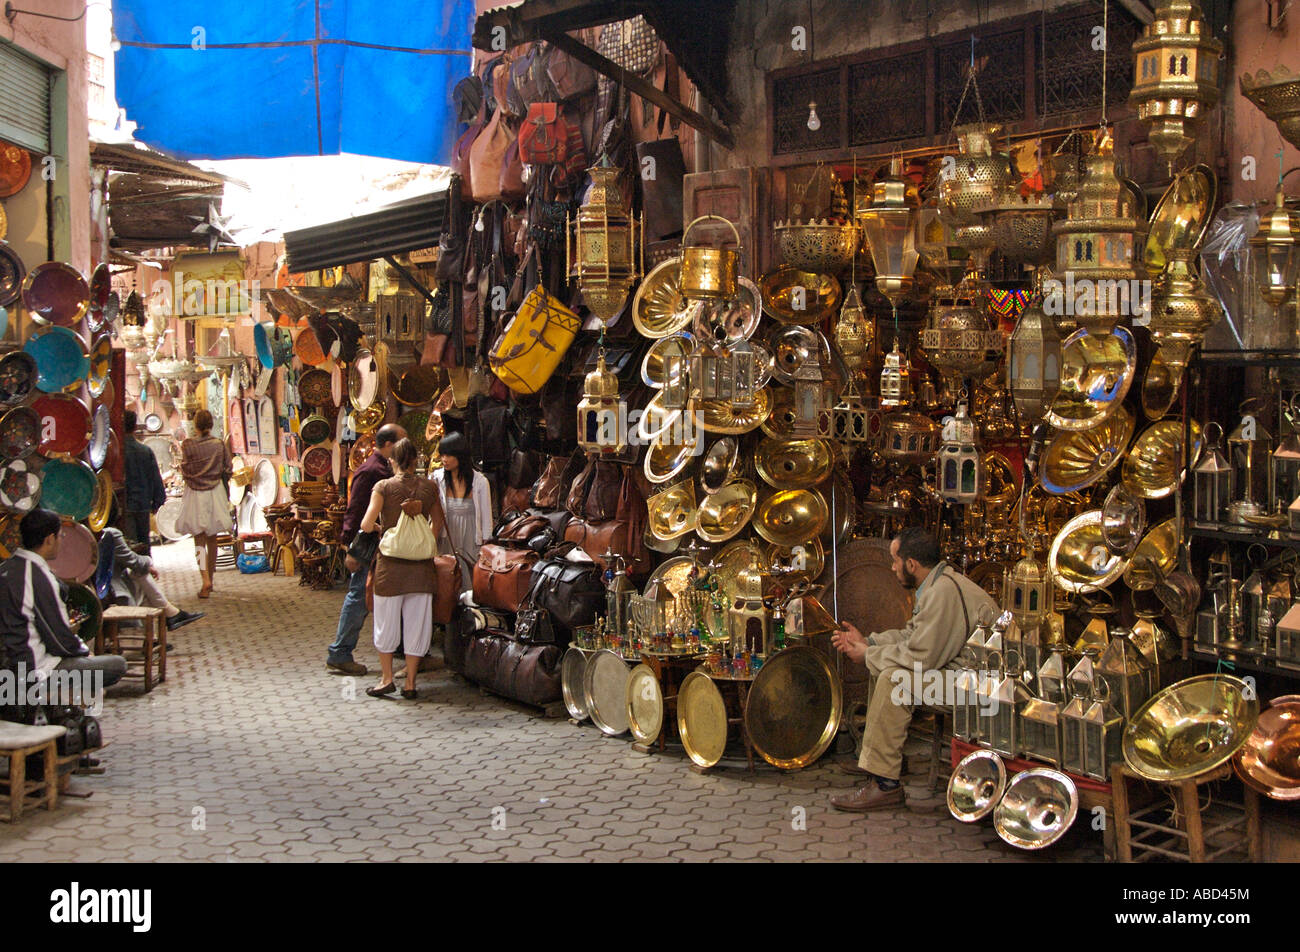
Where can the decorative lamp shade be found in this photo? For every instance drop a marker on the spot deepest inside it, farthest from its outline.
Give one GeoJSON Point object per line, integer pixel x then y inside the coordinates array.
{"type": "Point", "coordinates": [961, 338]}
{"type": "Point", "coordinates": [1181, 312]}
{"type": "Point", "coordinates": [601, 249]}
{"type": "Point", "coordinates": [1175, 76]}
{"type": "Point", "coordinates": [600, 421]}
{"type": "Point", "coordinates": [896, 380]}
{"type": "Point", "coordinates": [854, 334]}
{"type": "Point", "coordinates": [1027, 592]}
{"type": "Point", "coordinates": [891, 234]}
{"type": "Point", "coordinates": [1275, 253]}
{"type": "Point", "coordinates": [960, 473]}
{"type": "Point", "coordinates": [1034, 362]}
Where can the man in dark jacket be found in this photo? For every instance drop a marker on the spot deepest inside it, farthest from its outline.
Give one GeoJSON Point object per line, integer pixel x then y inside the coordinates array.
{"type": "Point", "coordinates": [353, 616]}
{"type": "Point", "coordinates": [34, 626]}
{"type": "Point", "coordinates": [145, 493]}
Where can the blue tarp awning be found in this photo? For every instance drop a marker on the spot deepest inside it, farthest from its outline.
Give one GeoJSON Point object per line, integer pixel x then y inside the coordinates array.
{"type": "Point", "coordinates": [226, 79]}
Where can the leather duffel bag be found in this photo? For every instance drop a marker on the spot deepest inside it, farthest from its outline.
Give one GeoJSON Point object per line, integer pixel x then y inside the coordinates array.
{"type": "Point", "coordinates": [483, 658]}
{"type": "Point", "coordinates": [615, 536]}
{"type": "Point", "coordinates": [530, 673]}
{"type": "Point", "coordinates": [503, 576]}
{"type": "Point", "coordinates": [572, 592]}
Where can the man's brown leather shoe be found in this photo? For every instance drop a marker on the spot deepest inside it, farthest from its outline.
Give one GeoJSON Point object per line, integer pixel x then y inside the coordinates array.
{"type": "Point", "coordinates": [868, 798]}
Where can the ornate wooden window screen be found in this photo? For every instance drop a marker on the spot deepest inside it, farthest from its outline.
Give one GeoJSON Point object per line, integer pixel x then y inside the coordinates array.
{"type": "Point", "coordinates": [1069, 78]}
{"type": "Point", "coordinates": [1000, 72]}
{"type": "Point", "coordinates": [887, 99]}
{"type": "Point", "coordinates": [790, 112]}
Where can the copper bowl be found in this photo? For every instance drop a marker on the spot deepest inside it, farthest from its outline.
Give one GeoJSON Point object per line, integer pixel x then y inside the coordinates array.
{"type": "Point", "coordinates": [1270, 760]}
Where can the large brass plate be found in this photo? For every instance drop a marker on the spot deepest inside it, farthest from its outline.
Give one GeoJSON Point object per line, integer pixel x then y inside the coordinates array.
{"type": "Point", "coordinates": [645, 704]}
{"type": "Point", "coordinates": [1096, 373]}
{"type": "Point", "coordinates": [1153, 469]}
{"type": "Point", "coordinates": [821, 295]}
{"type": "Point", "coordinates": [604, 689]}
{"type": "Point", "coordinates": [1181, 217]}
{"type": "Point", "coordinates": [1079, 559]}
{"type": "Point", "coordinates": [665, 460]}
{"type": "Point", "coordinates": [716, 417]}
{"type": "Point", "coordinates": [794, 707]}
{"type": "Point", "coordinates": [790, 464]}
{"type": "Point", "coordinates": [1155, 557]}
{"type": "Point", "coordinates": [674, 573]}
{"type": "Point", "coordinates": [1077, 459]}
{"type": "Point", "coordinates": [726, 512]}
{"type": "Point", "coordinates": [863, 589]}
{"type": "Point", "coordinates": [659, 308]}
{"type": "Point", "coordinates": [702, 719]}
{"type": "Point", "coordinates": [798, 563]}
{"type": "Point", "coordinates": [790, 516]}
{"type": "Point", "coordinates": [1190, 727]}
{"type": "Point", "coordinates": [572, 670]}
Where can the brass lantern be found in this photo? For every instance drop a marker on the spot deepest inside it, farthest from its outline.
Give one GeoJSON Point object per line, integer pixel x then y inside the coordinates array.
{"type": "Point", "coordinates": [1096, 246]}
{"type": "Point", "coordinates": [807, 398]}
{"type": "Point", "coordinates": [1034, 362]}
{"type": "Point", "coordinates": [887, 222]}
{"type": "Point", "coordinates": [602, 245]}
{"type": "Point", "coordinates": [960, 473]}
{"type": "Point", "coordinates": [895, 380]}
{"type": "Point", "coordinates": [961, 337]}
{"type": "Point", "coordinates": [1285, 486]}
{"type": "Point", "coordinates": [1212, 482]}
{"type": "Point", "coordinates": [1175, 75]}
{"type": "Point", "coordinates": [1181, 311]}
{"type": "Point", "coordinates": [600, 412]}
{"type": "Point", "coordinates": [710, 372]}
{"type": "Point", "coordinates": [1275, 254]}
{"type": "Point", "coordinates": [677, 375]}
{"type": "Point", "coordinates": [852, 419]}
{"type": "Point", "coordinates": [854, 334]}
{"type": "Point", "coordinates": [1027, 591]}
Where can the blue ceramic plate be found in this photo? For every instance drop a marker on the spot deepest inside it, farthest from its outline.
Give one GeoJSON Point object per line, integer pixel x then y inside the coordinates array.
{"type": "Point", "coordinates": [68, 488]}
{"type": "Point", "coordinates": [61, 360]}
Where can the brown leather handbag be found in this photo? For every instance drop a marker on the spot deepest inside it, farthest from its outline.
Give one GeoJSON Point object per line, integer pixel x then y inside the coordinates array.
{"type": "Point", "coordinates": [615, 536]}
{"type": "Point", "coordinates": [576, 500]}
{"type": "Point", "coordinates": [448, 582]}
{"type": "Point", "coordinates": [487, 155]}
{"type": "Point", "coordinates": [512, 186]}
{"type": "Point", "coordinates": [503, 576]}
{"type": "Point", "coordinates": [601, 503]}
{"type": "Point", "coordinates": [571, 78]}
{"type": "Point", "coordinates": [546, 491]}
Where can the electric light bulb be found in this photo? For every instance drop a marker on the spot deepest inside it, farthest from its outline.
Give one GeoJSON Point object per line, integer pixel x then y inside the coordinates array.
{"type": "Point", "coordinates": [814, 123]}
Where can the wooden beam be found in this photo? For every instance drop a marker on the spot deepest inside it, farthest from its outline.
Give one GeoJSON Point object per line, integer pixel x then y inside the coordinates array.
{"type": "Point", "coordinates": [1139, 10]}
{"type": "Point", "coordinates": [646, 90]}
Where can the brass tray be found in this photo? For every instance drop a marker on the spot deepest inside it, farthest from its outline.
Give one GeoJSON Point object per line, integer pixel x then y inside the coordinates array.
{"type": "Point", "coordinates": [659, 308]}
{"type": "Point", "coordinates": [604, 691]}
{"type": "Point", "coordinates": [674, 573]}
{"type": "Point", "coordinates": [740, 568]}
{"type": "Point", "coordinates": [1160, 386]}
{"type": "Point", "coordinates": [723, 418]}
{"type": "Point", "coordinates": [655, 420]}
{"type": "Point", "coordinates": [1078, 458]}
{"type": "Point", "coordinates": [1153, 468]}
{"type": "Point", "coordinates": [790, 516]}
{"type": "Point", "coordinates": [572, 670]}
{"type": "Point", "coordinates": [790, 464]}
{"type": "Point", "coordinates": [702, 719]}
{"type": "Point", "coordinates": [822, 295]}
{"type": "Point", "coordinates": [1079, 559]}
{"type": "Point", "coordinates": [794, 707]}
{"type": "Point", "coordinates": [645, 704]}
{"type": "Point", "coordinates": [1096, 373]}
{"type": "Point", "coordinates": [1181, 218]}
{"type": "Point", "coordinates": [807, 561]}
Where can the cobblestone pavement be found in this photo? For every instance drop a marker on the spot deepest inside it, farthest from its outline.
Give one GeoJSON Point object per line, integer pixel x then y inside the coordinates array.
{"type": "Point", "coordinates": [251, 751]}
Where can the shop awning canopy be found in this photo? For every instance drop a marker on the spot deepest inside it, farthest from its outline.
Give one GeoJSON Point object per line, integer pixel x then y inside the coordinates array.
{"type": "Point", "coordinates": [410, 225]}
{"type": "Point", "coordinates": [266, 78]}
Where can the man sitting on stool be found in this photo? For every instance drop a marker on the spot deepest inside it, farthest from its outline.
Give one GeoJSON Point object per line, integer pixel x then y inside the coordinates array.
{"type": "Point", "coordinates": [135, 579]}
{"type": "Point", "coordinates": [948, 605]}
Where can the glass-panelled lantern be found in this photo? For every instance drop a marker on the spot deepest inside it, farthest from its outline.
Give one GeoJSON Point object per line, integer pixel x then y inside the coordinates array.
{"type": "Point", "coordinates": [618, 596]}
{"type": "Point", "coordinates": [711, 373]}
{"type": "Point", "coordinates": [887, 222]}
{"type": "Point", "coordinates": [961, 460]}
{"type": "Point", "coordinates": [895, 380]}
{"type": "Point", "coordinates": [1212, 482]}
{"type": "Point", "coordinates": [745, 374]}
{"type": "Point", "coordinates": [1126, 672]}
{"type": "Point", "coordinates": [600, 412]}
{"type": "Point", "coordinates": [1034, 362]}
{"type": "Point", "coordinates": [1103, 732]}
{"type": "Point", "coordinates": [807, 399]}
{"type": "Point", "coordinates": [1250, 449]}
{"type": "Point", "coordinates": [676, 391]}
{"type": "Point", "coordinates": [1027, 591]}
{"type": "Point", "coordinates": [1287, 639]}
{"type": "Point", "coordinates": [852, 420]}
{"type": "Point", "coordinates": [602, 245]}
{"type": "Point", "coordinates": [1275, 255]}
{"type": "Point", "coordinates": [1286, 472]}
{"type": "Point", "coordinates": [1175, 75]}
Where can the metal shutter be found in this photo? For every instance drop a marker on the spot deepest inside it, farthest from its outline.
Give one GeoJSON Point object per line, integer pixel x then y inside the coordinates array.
{"type": "Point", "coordinates": [24, 100]}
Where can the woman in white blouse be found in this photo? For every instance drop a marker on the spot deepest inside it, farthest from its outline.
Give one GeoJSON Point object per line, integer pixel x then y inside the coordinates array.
{"type": "Point", "coordinates": [466, 501]}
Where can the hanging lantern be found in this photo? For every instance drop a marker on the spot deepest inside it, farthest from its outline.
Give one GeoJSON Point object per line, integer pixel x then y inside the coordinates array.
{"type": "Point", "coordinates": [1034, 361]}
{"type": "Point", "coordinates": [1285, 486]}
{"type": "Point", "coordinates": [854, 334]}
{"type": "Point", "coordinates": [710, 372]}
{"type": "Point", "coordinates": [1212, 482]}
{"type": "Point", "coordinates": [961, 338]}
{"type": "Point", "coordinates": [1027, 591]}
{"type": "Point", "coordinates": [887, 222]}
{"type": "Point", "coordinates": [853, 420]}
{"type": "Point", "coordinates": [1181, 311]}
{"type": "Point", "coordinates": [807, 398]}
{"type": "Point", "coordinates": [1095, 248]}
{"type": "Point", "coordinates": [1275, 255]}
{"type": "Point", "coordinates": [601, 246]}
{"type": "Point", "coordinates": [676, 392]}
{"type": "Point", "coordinates": [600, 412]}
{"type": "Point", "coordinates": [895, 380]}
{"type": "Point", "coordinates": [1175, 76]}
{"type": "Point", "coordinates": [961, 460]}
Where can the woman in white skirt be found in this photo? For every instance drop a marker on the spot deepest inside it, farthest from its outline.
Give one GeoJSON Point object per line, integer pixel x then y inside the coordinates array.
{"type": "Point", "coordinates": [206, 462]}
{"type": "Point", "coordinates": [404, 588]}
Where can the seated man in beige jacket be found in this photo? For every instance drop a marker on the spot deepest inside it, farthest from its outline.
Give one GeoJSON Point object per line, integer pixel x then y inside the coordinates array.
{"type": "Point", "coordinates": [948, 606]}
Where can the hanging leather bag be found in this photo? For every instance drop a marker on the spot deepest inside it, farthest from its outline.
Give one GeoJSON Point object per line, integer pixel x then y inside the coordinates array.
{"type": "Point", "coordinates": [460, 155]}
{"type": "Point", "coordinates": [503, 576]}
{"type": "Point", "coordinates": [544, 135]}
{"type": "Point", "coordinates": [571, 78]}
{"type": "Point", "coordinates": [576, 499]}
{"type": "Point", "coordinates": [614, 536]}
{"type": "Point", "coordinates": [602, 499]}
{"type": "Point", "coordinates": [572, 592]}
{"type": "Point", "coordinates": [546, 490]}
{"type": "Point", "coordinates": [486, 157]}
{"type": "Point", "coordinates": [534, 342]}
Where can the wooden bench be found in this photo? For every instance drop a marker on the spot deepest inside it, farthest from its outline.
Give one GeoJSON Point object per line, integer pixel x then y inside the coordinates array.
{"type": "Point", "coordinates": [150, 638]}
{"type": "Point", "coordinates": [20, 741]}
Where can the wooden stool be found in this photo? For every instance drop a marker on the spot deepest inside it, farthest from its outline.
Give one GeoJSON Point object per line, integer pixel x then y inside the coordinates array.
{"type": "Point", "coordinates": [259, 542]}
{"type": "Point", "coordinates": [1190, 840]}
{"type": "Point", "coordinates": [940, 743]}
{"type": "Point", "coordinates": [151, 639]}
{"type": "Point", "coordinates": [19, 741]}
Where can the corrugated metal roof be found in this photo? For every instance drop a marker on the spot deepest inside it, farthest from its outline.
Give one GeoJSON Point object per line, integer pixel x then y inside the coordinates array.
{"type": "Point", "coordinates": [405, 226]}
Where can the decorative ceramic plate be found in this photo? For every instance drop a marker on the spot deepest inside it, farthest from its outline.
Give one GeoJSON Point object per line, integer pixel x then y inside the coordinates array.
{"type": "Point", "coordinates": [57, 293]}
{"type": "Point", "coordinates": [318, 461]}
{"type": "Point", "coordinates": [11, 275]}
{"type": "Point", "coordinates": [101, 364]}
{"type": "Point", "coordinates": [315, 429]}
{"type": "Point", "coordinates": [68, 488]}
{"type": "Point", "coordinates": [103, 502]}
{"type": "Point", "coordinates": [266, 483]}
{"type": "Point", "coordinates": [20, 433]}
{"type": "Point", "coordinates": [17, 377]}
{"type": "Point", "coordinates": [20, 488]}
{"type": "Point", "coordinates": [65, 424]}
{"type": "Point", "coordinates": [314, 387]}
{"type": "Point", "coordinates": [15, 169]}
{"type": "Point", "coordinates": [101, 287]}
{"type": "Point", "coordinates": [61, 360]}
{"type": "Point", "coordinates": [307, 348]}
{"type": "Point", "coordinates": [78, 554]}
{"type": "Point", "coordinates": [101, 435]}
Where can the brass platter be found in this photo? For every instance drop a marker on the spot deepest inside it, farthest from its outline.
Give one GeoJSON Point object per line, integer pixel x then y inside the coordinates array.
{"type": "Point", "coordinates": [672, 512]}
{"type": "Point", "coordinates": [790, 516]}
{"type": "Point", "coordinates": [739, 568]}
{"type": "Point", "coordinates": [674, 573]}
{"type": "Point", "coordinates": [780, 420]}
{"type": "Point", "coordinates": [1079, 560]}
{"type": "Point", "coordinates": [794, 707]}
{"type": "Point", "coordinates": [1269, 762]}
{"type": "Point", "coordinates": [1181, 217]}
{"type": "Point", "coordinates": [1153, 468]}
{"type": "Point", "coordinates": [803, 562]}
{"type": "Point", "coordinates": [572, 670]}
{"type": "Point", "coordinates": [659, 308]}
{"type": "Point", "coordinates": [702, 719]}
{"type": "Point", "coordinates": [726, 512]}
{"type": "Point", "coordinates": [1160, 386]}
{"type": "Point", "coordinates": [713, 416]}
{"type": "Point", "coordinates": [604, 690]}
{"type": "Point", "coordinates": [1096, 373]}
{"type": "Point", "coordinates": [791, 348]}
{"type": "Point", "coordinates": [1159, 547]}
{"type": "Point", "coordinates": [789, 464]}
{"type": "Point", "coordinates": [821, 295]}
{"type": "Point", "coordinates": [645, 704]}
{"type": "Point", "coordinates": [1078, 458]}
{"type": "Point", "coordinates": [665, 461]}
{"type": "Point", "coordinates": [1190, 727]}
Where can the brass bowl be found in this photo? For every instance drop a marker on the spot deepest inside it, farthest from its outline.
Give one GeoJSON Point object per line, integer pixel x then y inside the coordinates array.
{"type": "Point", "coordinates": [672, 512]}
{"type": "Point", "coordinates": [789, 464]}
{"type": "Point", "coordinates": [1190, 728]}
{"type": "Point", "coordinates": [1269, 762]}
{"type": "Point", "coordinates": [804, 562]}
{"type": "Point", "coordinates": [1096, 373]}
{"type": "Point", "coordinates": [1181, 217]}
{"type": "Point", "coordinates": [724, 418]}
{"type": "Point", "coordinates": [665, 460]}
{"type": "Point", "coordinates": [1123, 520]}
{"type": "Point", "coordinates": [1153, 467]}
{"type": "Point", "coordinates": [1039, 807]}
{"type": "Point", "coordinates": [792, 347]}
{"type": "Point", "coordinates": [722, 463]}
{"type": "Point", "coordinates": [1277, 93]}
{"type": "Point", "coordinates": [780, 421]}
{"type": "Point", "coordinates": [790, 516]}
{"type": "Point", "coordinates": [724, 513]}
{"type": "Point", "coordinates": [794, 707]}
{"type": "Point", "coordinates": [368, 420]}
{"type": "Point", "coordinates": [1154, 558]}
{"type": "Point", "coordinates": [976, 786]}
{"type": "Point", "coordinates": [820, 246]}
{"type": "Point", "coordinates": [659, 307]}
{"type": "Point", "coordinates": [1077, 459]}
{"type": "Point", "coordinates": [1079, 559]}
{"type": "Point", "coordinates": [736, 319]}
{"type": "Point", "coordinates": [822, 295]}
{"type": "Point", "coordinates": [1160, 386]}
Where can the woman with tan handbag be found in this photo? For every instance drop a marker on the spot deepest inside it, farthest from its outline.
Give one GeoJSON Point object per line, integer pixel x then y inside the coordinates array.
{"type": "Point", "coordinates": [412, 517]}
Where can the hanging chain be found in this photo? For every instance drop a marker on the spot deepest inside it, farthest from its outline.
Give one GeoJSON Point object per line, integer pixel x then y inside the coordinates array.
{"type": "Point", "coordinates": [1105, 51]}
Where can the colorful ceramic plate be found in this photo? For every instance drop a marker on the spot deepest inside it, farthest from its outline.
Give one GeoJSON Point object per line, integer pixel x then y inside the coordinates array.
{"type": "Point", "coordinates": [15, 169]}
{"type": "Point", "coordinates": [11, 275]}
{"type": "Point", "coordinates": [101, 435]}
{"type": "Point", "coordinates": [57, 293]}
{"type": "Point", "coordinates": [101, 288]}
{"type": "Point", "coordinates": [318, 461]}
{"type": "Point", "coordinates": [68, 488]}
{"type": "Point", "coordinates": [103, 502]}
{"type": "Point", "coordinates": [65, 424]}
{"type": "Point", "coordinates": [314, 388]}
{"type": "Point", "coordinates": [307, 348]}
{"type": "Point", "coordinates": [20, 488]}
{"type": "Point", "coordinates": [101, 363]}
{"type": "Point", "coordinates": [61, 360]}
{"type": "Point", "coordinates": [315, 429]}
{"type": "Point", "coordinates": [363, 380]}
{"type": "Point", "coordinates": [17, 377]}
{"type": "Point", "coordinates": [78, 554]}
{"type": "Point", "coordinates": [20, 432]}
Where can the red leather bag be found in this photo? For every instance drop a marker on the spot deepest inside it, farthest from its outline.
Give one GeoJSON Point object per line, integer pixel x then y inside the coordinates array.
{"type": "Point", "coordinates": [544, 135]}
{"type": "Point", "coordinates": [503, 576]}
